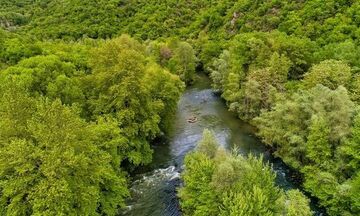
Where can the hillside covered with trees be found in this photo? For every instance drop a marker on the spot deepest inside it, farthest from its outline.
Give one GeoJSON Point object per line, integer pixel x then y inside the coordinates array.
{"type": "Point", "coordinates": [87, 86]}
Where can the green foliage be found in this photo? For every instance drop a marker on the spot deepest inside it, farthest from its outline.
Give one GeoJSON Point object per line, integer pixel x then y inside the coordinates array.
{"type": "Point", "coordinates": [347, 52]}
{"type": "Point", "coordinates": [126, 87]}
{"type": "Point", "coordinates": [208, 144]}
{"type": "Point", "coordinates": [256, 67]}
{"type": "Point", "coordinates": [13, 14]}
{"type": "Point", "coordinates": [348, 152]}
{"type": "Point", "coordinates": [227, 184]}
{"type": "Point", "coordinates": [324, 22]}
{"type": "Point", "coordinates": [48, 76]}
{"type": "Point", "coordinates": [71, 117]}
{"type": "Point", "coordinates": [179, 57]}
{"type": "Point", "coordinates": [297, 204]}
{"type": "Point", "coordinates": [288, 123]}
{"type": "Point", "coordinates": [289, 67]}
{"type": "Point", "coordinates": [219, 70]}
{"type": "Point", "coordinates": [318, 148]}
{"type": "Point", "coordinates": [337, 197]}
{"type": "Point", "coordinates": [309, 130]}
{"type": "Point", "coordinates": [52, 165]}
{"type": "Point", "coordinates": [71, 19]}
{"type": "Point", "coordinates": [329, 73]}
{"type": "Point", "coordinates": [197, 196]}
{"type": "Point", "coordinates": [15, 49]}
{"type": "Point", "coordinates": [184, 62]}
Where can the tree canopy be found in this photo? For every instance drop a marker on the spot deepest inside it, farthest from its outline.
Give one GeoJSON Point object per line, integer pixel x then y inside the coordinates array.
{"type": "Point", "coordinates": [100, 80]}
{"type": "Point", "coordinates": [220, 183]}
{"type": "Point", "coordinates": [71, 129]}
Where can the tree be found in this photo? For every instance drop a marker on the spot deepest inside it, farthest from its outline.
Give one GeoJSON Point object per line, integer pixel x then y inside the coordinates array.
{"type": "Point", "coordinates": [318, 149]}
{"type": "Point", "coordinates": [346, 52]}
{"type": "Point", "coordinates": [70, 129]}
{"type": "Point", "coordinates": [197, 196]}
{"type": "Point", "coordinates": [18, 48]}
{"type": "Point", "coordinates": [184, 61]}
{"type": "Point", "coordinates": [297, 204]}
{"type": "Point", "coordinates": [348, 151]}
{"type": "Point", "coordinates": [308, 130]}
{"type": "Point", "coordinates": [49, 76]}
{"type": "Point", "coordinates": [219, 70]}
{"type": "Point", "coordinates": [330, 73]}
{"type": "Point", "coordinates": [321, 184]}
{"type": "Point", "coordinates": [134, 91]}
{"type": "Point", "coordinates": [56, 168]}
{"type": "Point", "coordinates": [261, 85]}
{"type": "Point", "coordinates": [16, 108]}
{"type": "Point", "coordinates": [288, 122]}
{"type": "Point", "coordinates": [253, 202]}
{"type": "Point", "coordinates": [231, 91]}
{"type": "Point", "coordinates": [208, 144]}
{"type": "Point", "coordinates": [335, 106]}
{"type": "Point", "coordinates": [120, 93]}
{"type": "Point", "coordinates": [230, 184]}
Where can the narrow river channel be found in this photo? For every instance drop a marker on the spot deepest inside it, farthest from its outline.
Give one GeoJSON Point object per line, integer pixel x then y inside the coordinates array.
{"type": "Point", "coordinates": [154, 188]}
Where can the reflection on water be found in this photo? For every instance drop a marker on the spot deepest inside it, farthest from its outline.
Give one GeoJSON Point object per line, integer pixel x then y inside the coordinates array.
{"type": "Point", "coordinates": [154, 192]}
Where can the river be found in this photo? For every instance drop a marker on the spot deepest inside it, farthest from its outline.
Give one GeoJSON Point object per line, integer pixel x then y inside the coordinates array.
{"type": "Point", "coordinates": [154, 187]}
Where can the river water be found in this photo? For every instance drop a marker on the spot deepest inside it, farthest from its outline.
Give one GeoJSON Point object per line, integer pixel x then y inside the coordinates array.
{"type": "Point", "coordinates": [154, 187]}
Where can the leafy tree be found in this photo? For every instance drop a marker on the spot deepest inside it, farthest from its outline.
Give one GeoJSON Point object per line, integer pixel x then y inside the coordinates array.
{"type": "Point", "coordinates": [261, 84]}
{"type": "Point", "coordinates": [197, 196]}
{"type": "Point", "coordinates": [329, 73]}
{"type": "Point", "coordinates": [184, 62]}
{"type": "Point", "coordinates": [318, 149]}
{"type": "Point", "coordinates": [165, 88]}
{"type": "Point", "coordinates": [346, 51]}
{"type": "Point", "coordinates": [297, 204]}
{"type": "Point", "coordinates": [53, 166]}
{"type": "Point", "coordinates": [348, 150]}
{"type": "Point", "coordinates": [325, 186]}
{"type": "Point", "coordinates": [338, 107]}
{"type": "Point", "coordinates": [69, 126]}
{"type": "Point", "coordinates": [48, 76]}
{"type": "Point", "coordinates": [219, 70]}
{"type": "Point", "coordinates": [288, 122]}
{"type": "Point", "coordinates": [159, 51]}
{"type": "Point", "coordinates": [289, 67]}
{"type": "Point", "coordinates": [207, 50]}
{"type": "Point", "coordinates": [309, 130]}
{"type": "Point", "coordinates": [231, 92]}
{"type": "Point", "coordinates": [208, 144]}
{"type": "Point", "coordinates": [262, 67]}
{"type": "Point", "coordinates": [230, 184]}
{"type": "Point", "coordinates": [123, 90]}
{"type": "Point", "coordinates": [18, 48]}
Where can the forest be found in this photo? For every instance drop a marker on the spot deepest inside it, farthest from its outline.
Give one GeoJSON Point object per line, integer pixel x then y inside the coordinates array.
{"type": "Point", "coordinates": [87, 87]}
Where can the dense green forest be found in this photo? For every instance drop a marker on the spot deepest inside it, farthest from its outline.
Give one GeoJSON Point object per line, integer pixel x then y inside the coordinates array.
{"type": "Point", "coordinates": [230, 185]}
{"type": "Point", "coordinates": [86, 86]}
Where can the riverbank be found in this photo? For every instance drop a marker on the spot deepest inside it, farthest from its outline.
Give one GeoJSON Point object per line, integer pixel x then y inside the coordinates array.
{"type": "Point", "coordinates": [154, 186]}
